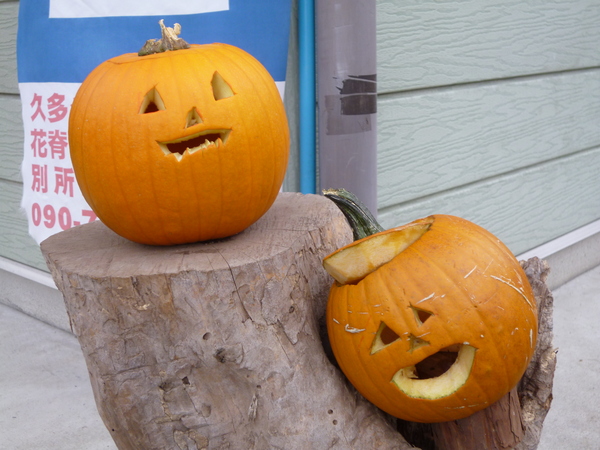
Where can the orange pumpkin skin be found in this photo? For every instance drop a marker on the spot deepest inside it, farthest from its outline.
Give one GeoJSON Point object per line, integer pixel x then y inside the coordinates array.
{"type": "Point", "coordinates": [472, 290]}
{"type": "Point", "coordinates": [151, 197]}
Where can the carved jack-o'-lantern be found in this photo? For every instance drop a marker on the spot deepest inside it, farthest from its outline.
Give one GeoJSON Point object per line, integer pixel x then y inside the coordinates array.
{"type": "Point", "coordinates": [179, 146]}
{"type": "Point", "coordinates": [431, 321]}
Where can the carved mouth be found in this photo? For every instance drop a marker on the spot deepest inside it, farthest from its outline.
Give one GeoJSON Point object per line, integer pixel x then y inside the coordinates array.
{"type": "Point", "coordinates": [438, 375]}
{"type": "Point", "coordinates": [191, 144]}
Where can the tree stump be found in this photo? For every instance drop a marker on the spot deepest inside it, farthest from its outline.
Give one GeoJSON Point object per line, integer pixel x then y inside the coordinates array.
{"type": "Point", "coordinates": [223, 344]}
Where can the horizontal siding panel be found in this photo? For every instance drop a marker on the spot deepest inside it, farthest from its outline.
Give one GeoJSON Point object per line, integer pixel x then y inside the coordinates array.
{"type": "Point", "coordinates": [423, 43]}
{"type": "Point", "coordinates": [438, 139]}
{"type": "Point", "coordinates": [11, 137]}
{"type": "Point", "coordinates": [9, 12]}
{"type": "Point", "coordinates": [525, 208]}
{"type": "Point", "coordinates": [15, 242]}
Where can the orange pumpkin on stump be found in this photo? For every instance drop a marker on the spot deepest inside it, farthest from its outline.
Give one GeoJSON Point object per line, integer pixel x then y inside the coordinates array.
{"type": "Point", "coordinates": [431, 321]}
{"type": "Point", "coordinates": [185, 143]}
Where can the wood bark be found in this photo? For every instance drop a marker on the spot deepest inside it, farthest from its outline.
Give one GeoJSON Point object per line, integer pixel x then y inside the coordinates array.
{"type": "Point", "coordinates": [222, 344]}
{"type": "Point", "coordinates": [535, 388]}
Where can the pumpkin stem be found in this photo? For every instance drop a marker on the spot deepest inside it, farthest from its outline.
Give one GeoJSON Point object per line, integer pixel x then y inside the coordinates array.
{"type": "Point", "coordinates": [362, 222]}
{"type": "Point", "coordinates": [169, 41]}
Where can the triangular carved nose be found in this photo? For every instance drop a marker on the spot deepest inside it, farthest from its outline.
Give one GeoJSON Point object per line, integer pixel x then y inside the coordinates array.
{"type": "Point", "coordinates": [192, 118]}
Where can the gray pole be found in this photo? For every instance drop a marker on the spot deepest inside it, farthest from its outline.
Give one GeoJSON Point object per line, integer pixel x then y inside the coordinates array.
{"type": "Point", "coordinates": [347, 97]}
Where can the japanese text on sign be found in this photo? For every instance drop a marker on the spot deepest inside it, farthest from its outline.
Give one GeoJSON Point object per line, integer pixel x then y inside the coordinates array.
{"type": "Point", "coordinates": [51, 199]}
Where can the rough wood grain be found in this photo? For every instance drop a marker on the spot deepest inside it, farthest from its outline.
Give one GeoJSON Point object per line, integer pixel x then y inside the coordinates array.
{"type": "Point", "coordinates": [216, 344]}
{"type": "Point", "coordinates": [535, 388]}
{"type": "Point", "coordinates": [499, 427]}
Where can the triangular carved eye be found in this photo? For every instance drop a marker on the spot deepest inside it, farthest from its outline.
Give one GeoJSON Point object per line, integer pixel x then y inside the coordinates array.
{"type": "Point", "coordinates": [152, 102]}
{"type": "Point", "coordinates": [220, 87]}
{"type": "Point", "coordinates": [421, 315]}
{"type": "Point", "coordinates": [384, 337]}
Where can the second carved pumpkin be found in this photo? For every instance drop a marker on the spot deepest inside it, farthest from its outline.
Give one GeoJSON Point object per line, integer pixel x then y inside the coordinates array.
{"type": "Point", "coordinates": [431, 321]}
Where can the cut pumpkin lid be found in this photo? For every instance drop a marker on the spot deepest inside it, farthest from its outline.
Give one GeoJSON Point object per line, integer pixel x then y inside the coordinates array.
{"type": "Point", "coordinates": [352, 263]}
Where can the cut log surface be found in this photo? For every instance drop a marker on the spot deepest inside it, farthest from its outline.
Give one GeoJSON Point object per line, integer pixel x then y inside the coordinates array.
{"type": "Point", "coordinates": [217, 344]}
{"type": "Point", "coordinates": [222, 344]}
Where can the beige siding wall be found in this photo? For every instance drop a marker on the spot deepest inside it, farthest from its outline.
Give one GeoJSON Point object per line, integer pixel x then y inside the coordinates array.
{"type": "Point", "coordinates": [491, 110]}
{"type": "Point", "coordinates": [487, 109]}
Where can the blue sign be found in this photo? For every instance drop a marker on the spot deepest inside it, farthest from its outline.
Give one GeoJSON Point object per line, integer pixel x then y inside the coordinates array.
{"type": "Point", "coordinates": [71, 43]}
{"type": "Point", "coordinates": [59, 42]}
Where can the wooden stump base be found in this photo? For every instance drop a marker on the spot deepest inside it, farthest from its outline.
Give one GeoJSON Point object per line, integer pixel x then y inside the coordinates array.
{"type": "Point", "coordinates": [222, 344]}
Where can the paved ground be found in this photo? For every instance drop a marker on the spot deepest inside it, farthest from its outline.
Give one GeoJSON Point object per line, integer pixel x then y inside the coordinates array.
{"type": "Point", "coordinates": [573, 422]}
{"type": "Point", "coordinates": [46, 402]}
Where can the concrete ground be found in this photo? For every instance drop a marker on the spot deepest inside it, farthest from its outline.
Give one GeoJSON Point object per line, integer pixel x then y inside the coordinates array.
{"type": "Point", "coordinates": [46, 401]}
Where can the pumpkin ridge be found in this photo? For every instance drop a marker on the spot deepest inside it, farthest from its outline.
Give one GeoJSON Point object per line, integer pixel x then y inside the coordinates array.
{"type": "Point", "coordinates": [496, 244]}
{"type": "Point", "coordinates": [464, 294]}
{"type": "Point", "coordinates": [127, 73]}
{"type": "Point", "coordinates": [209, 58]}
{"type": "Point", "coordinates": [276, 96]}
{"type": "Point", "coordinates": [81, 174]}
{"type": "Point", "coordinates": [381, 390]}
{"type": "Point", "coordinates": [383, 297]}
{"type": "Point", "coordinates": [104, 75]}
{"type": "Point", "coordinates": [494, 335]}
{"type": "Point", "coordinates": [223, 51]}
{"type": "Point", "coordinates": [253, 166]}
{"type": "Point", "coordinates": [254, 67]}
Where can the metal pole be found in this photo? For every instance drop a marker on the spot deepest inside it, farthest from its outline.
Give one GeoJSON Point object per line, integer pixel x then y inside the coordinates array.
{"type": "Point", "coordinates": [307, 107]}
{"type": "Point", "coordinates": [347, 97]}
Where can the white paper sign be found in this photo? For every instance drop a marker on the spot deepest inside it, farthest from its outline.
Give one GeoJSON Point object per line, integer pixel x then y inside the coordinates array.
{"type": "Point", "coordinates": [68, 9]}
{"type": "Point", "coordinates": [51, 198]}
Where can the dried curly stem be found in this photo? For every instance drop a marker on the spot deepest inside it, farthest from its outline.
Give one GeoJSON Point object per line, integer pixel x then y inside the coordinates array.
{"type": "Point", "coordinates": [169, 41]}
